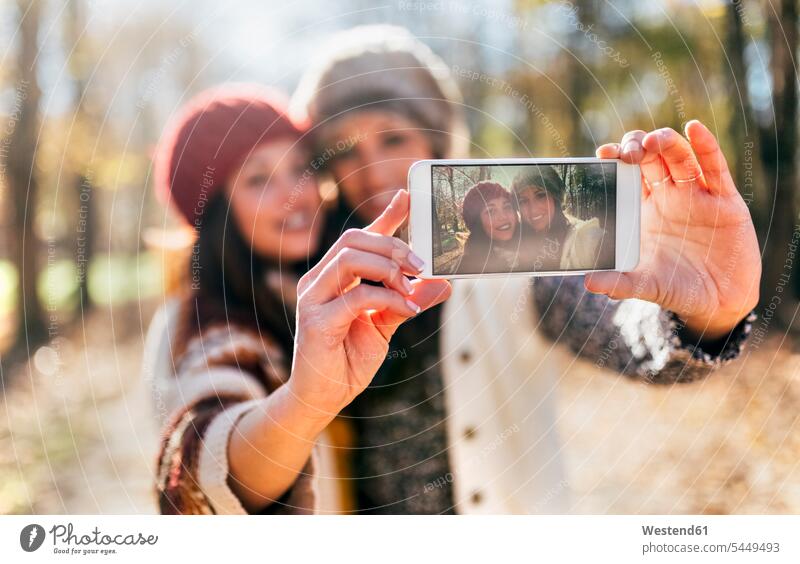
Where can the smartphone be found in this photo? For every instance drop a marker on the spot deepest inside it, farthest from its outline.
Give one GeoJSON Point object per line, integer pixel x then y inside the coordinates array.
{"type": "Point", "coordinates": [542, 217]}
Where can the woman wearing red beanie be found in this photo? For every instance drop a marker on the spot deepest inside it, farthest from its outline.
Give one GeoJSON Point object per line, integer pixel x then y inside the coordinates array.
{"type": "Point", "coordinates": [238, 431]}
{"type": "Point", "coordinates": [493, 244]}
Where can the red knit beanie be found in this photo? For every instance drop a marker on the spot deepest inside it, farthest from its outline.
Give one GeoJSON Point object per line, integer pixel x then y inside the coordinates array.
{"type": "Point", "coordinates": [476, 199]}
{"type": "Point", "coordinates": [210, 137]}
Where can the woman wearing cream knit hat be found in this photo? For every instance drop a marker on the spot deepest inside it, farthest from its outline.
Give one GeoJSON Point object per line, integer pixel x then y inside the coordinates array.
{"type": "Point", "coordinates": [462, 417]}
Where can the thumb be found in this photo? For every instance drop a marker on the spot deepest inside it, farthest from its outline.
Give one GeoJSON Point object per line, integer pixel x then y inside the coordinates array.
{"type": "Point", "coordinates": [619, 285]}
{"type": "Point", "coordinates": [392, 217]}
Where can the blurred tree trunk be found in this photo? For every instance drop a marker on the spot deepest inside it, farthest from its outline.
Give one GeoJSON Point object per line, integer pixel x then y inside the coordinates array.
{"type": "Point", "coordinates": [742, 127]}
{"type": "Point", "coordinates": [22, 180]}
{"type": "Point", "coordinates": [779, 149]}
{"type": "Point", "coordinates": [577, 79]}
{"type": "Point", "coordinates": [437, 233]}
{"type": "Point", "coordinates": [453, 199]}
{"type": "Point", "coordinates": [83, 189]}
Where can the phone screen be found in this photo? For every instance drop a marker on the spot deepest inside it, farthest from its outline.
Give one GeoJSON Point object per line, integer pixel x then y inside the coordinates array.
{"type": "Point", "coordinates": [523, 217]}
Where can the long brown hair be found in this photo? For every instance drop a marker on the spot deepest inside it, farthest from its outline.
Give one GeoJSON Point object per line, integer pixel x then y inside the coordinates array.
{"type": "Point", "coordinates": [228, 281]}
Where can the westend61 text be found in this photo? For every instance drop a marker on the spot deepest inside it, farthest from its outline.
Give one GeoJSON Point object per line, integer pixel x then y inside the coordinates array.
{"type": "Point", "coordinates": [664, 531]}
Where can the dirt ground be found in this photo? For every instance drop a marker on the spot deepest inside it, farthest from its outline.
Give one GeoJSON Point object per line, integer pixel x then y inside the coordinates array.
{"type": "Point", "coordinates": [78, 435]}
{"type": "Point", "coordinates": [77, 430]}
{"type": "Point", "coordinates": [728, 444]}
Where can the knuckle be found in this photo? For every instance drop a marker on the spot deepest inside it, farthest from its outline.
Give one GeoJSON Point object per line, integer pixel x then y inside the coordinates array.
{"type": "Point", "coordinates": [346, 255]}
{"type": "Point", "coordinates": [399, 250]}
{"type": "Point", "coordinates": [399, 301]}
{"type": "Point", "coordinates": [350, 237]}
{"type": "Point", "coordinates": [357, 295]}
{"type": "Point", "coordinates": [633, 134]}
{"type": "Point", "coordinates": [305, 280]}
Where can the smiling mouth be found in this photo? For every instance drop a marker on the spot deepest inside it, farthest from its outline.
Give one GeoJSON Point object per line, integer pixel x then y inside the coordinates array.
{"type": "Point", "coordinates": [537, 218]}
{"type": "Point", "coordinates": [504, 227]}
{"type": "Point", "coordinates": [297, 221]}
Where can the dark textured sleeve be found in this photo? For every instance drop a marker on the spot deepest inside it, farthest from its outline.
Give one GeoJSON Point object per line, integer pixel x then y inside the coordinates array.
{"type": "Point", "coordinates": [193, 470]}
{"type": "Point", "coordinates": [633, 337]}
{"type": "Point", "coordinates": [221, 376]}
{"type": "Point", "coordinates": [178, 484]}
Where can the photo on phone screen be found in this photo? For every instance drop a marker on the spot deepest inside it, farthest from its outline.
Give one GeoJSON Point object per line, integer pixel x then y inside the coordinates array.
{"type": "Point", "coordinates": [523, 217]}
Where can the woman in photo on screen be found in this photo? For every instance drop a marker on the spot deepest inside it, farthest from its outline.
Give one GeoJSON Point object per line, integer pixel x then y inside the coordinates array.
{"type": "Point", "coordinates": [552, 239]}
{"type": "Point", "coordinates": [493, 244]}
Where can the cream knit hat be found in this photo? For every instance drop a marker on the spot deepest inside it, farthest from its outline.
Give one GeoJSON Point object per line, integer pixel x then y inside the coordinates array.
{"type": "Point", "coordinates": [384, 67]}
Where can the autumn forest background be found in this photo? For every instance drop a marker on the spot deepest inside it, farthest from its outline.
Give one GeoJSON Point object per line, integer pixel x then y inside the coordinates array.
{"type": "Point", "coordinates": [87, 85]}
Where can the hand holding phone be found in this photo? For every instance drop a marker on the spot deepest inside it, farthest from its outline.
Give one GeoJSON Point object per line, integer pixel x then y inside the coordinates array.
{"type": "Point", "coordinates": [699, 255]}
{"type": "Point", "coordinates": [699, 252]}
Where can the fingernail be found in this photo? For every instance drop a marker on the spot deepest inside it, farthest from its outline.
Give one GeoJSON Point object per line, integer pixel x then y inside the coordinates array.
{"type": "Point", "coordinates": [414, 307]}
{"type": "Point", "coordinates": [632, 146]}
{"type": "Point", "coordinates": [415, 261]}
{"type": "Point", "coordinates": [406, 285]}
